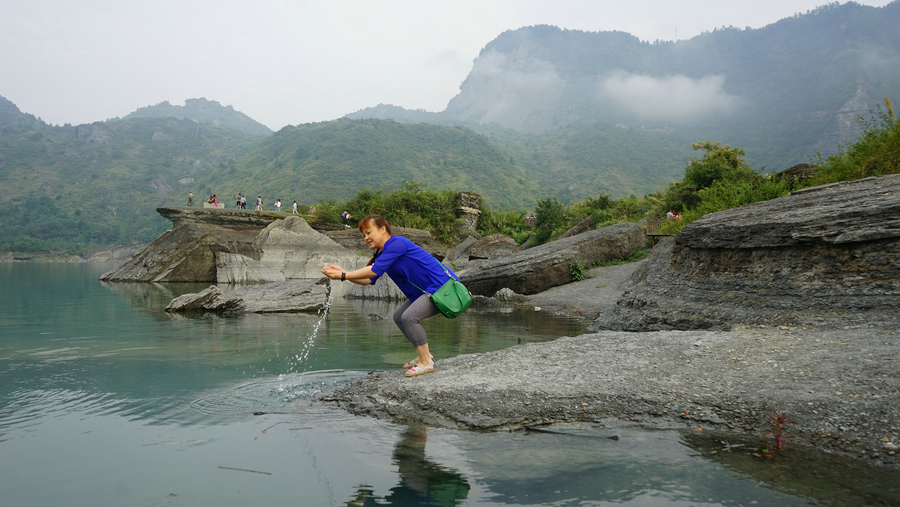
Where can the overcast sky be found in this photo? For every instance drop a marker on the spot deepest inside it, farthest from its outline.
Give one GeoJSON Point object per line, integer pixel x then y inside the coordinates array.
{"type": "Point", "coordinates": [290, 62]}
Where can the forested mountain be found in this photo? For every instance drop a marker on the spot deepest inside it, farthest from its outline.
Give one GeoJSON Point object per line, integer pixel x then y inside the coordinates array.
{"type": "Point", "coordinates": [782, 93]}
{"type": "Point", "coordinates": [544, 112]}
{"type": "Point", "coordinates": [204, 111]}
{"type": "Point", "coordinates": [72, 188]}
{"type": "Point", "coordinates": [333, 160]}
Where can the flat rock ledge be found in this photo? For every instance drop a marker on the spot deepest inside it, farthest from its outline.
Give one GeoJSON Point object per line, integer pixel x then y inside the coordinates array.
{"type": "Point", "coordinates": [840, 386]}
{"type": "Point", "coordinates": [822, 256]}
{"type": "Point", "coordinates": [280, 297]}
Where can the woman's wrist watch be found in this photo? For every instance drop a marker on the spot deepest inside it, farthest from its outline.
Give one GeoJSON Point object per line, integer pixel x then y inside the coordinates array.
{"type": "Point", "coordinates": [343, 275]}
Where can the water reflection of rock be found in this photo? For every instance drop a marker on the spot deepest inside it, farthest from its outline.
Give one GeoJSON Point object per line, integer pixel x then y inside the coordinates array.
{"type": "Point", "coordinates": [151, 296]}
{"type": "Point", "coordinates": [422, 481]}
{"type": "Point", "coordinates": [828, 478]}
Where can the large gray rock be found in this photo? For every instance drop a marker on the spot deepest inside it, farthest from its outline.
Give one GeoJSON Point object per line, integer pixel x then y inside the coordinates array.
{"type": "Point", "coordinates": [808, 258]}
{"type": "Point", "coordinates": [585, 225]}
{"type": "Point", "coordinates": [187, 252]}
{"type": "Point", "coordinates": [542, 267]}
{"type": "Point", "coordinates": [278, 297]}
{"type": "Point", "coordinates": [232, 245]}
{"type": "Point", "coordinates": [472, 252]}
{"type": "Point", "coordinates": [287, 249]}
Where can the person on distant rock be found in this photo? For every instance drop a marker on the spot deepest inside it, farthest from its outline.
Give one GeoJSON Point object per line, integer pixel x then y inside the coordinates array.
{"type": "Point", "coordinates": [294, 210]}
{"type": "Point", "coordinates": [278, 205]}
{"type": "Point", "coordinates": [417, 274]}
{"type": "Point", "coordinates": [243, 201]}
{"type": "Point", "coordinates": [313, 209]}
{"type": "Point", "coordinates": [190, 199]}
{"type": "Point", "coordinates": [345, 219]}
{"type": "Point", "coordinates": [237, 204]}
{"type": "Point", "coordinates": [258, 203]}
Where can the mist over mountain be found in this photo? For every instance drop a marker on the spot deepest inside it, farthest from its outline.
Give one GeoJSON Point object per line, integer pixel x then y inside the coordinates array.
{"type": "Point", "coordinates": [782, 92]}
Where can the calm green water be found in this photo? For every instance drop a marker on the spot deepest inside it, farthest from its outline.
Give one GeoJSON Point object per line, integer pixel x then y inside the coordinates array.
{"type": "Point", "coordinates": [107, 400]}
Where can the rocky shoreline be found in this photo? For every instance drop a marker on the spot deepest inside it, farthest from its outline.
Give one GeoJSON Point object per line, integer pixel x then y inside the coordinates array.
{"type": "Point", "coordinates": [789, 306]}
{"type": "Point", "coordinates": [840, 385]}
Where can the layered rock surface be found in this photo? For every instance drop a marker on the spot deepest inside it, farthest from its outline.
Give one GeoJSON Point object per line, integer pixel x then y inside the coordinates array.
{"type": "Point", "coordinates": [231, 245]}
{"type": "Point", "coordinates": [287, 249]}
{"type": "Point", "coordinates": [542, 267]}
{"type": "Point", "coordinates": [187, 252]}
{"type": "Point", "coordinates": [813, 257]}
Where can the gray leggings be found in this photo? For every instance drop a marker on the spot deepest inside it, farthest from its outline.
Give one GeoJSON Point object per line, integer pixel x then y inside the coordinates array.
{"type": "Point", "coordinates": [409, 316]}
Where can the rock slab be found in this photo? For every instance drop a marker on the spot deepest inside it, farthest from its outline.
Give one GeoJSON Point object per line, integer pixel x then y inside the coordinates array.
{"type": "Point", "coordinates": [187, 252]}
{"type": "Point", "coordinates": [542, 267]}
{"type": "Point", "coordinates": [279, 297]}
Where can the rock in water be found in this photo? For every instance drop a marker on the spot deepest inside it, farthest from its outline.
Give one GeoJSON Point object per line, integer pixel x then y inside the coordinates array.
{"type": "Point", "coordinates": [279, 297]}
{"type": "Point", "coordinates": [187, 252]}
{"type": "Point", "coordinates": [231, 245]}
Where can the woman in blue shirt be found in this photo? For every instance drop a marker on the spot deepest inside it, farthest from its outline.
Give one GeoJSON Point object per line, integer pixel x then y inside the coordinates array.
{"type": "Point", "coordinates": [406, 264]}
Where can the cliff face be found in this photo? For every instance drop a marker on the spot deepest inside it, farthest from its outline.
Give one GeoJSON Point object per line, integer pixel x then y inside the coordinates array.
{"type": "Point", "coordinates": [824, 255]}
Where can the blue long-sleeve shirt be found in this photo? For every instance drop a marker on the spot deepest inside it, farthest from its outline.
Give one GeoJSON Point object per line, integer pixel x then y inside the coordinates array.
{"type": "Point", "coordinates": [404, 261]}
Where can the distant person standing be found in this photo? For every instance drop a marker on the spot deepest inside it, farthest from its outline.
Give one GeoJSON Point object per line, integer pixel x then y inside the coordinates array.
{"type": "Point", "coordinates": [238, 203]}
{"type": "Point", "coordinates": [278, 205]}
{"type": "Point", "coordinates": [345, 218]}
{"type": "Point", "coordinates": [258, 203]}
{"type": "Point", "coordinates": [190, 199]}
{"type": "Point", "coordinates": [294, 210]}
{"type": "Point", "coordinates": [243, 201]}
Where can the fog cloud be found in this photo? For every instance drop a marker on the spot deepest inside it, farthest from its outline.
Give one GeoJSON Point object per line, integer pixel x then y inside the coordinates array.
{"type": "Point", "coordinates": [670, 98]}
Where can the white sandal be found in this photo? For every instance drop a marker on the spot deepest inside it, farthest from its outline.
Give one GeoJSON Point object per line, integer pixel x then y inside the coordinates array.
{"type": "Point", "coordinates": [414, 362]}
{"type": "Point", "coordinates": [419, 370]}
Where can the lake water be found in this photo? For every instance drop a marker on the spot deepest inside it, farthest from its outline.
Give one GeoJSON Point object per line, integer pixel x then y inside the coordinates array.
{"type": "Point", "coordinates": [107, 400]}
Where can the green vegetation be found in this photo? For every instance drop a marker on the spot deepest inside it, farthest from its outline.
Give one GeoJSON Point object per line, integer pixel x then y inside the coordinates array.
{"type": "Point", "coordinates": [719, 180]}
{"type": "Point", "coordinates": [71, 189]}
{"type": "Point", "coordinates": [875, 153]}
{"type": "Point", "coordinates": [577, 270]}
{"type": "Point", "coordinates": [632, 257]}
{"type": "Point", "coordinates": [334, 160]}
{"type": "Point", "coordinates": [412, 206]}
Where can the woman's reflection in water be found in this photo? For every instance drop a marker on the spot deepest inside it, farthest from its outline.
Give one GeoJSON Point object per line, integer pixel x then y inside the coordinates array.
{"type": "Point", "coordinates": [422, 482]}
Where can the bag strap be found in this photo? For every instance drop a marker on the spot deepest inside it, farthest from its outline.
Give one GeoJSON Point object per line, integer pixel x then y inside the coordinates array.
{"type": "Point", "coordinates": [423, 290]}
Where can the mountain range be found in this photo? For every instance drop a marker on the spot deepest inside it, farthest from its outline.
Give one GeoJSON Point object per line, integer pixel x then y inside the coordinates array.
{"type": "Point", "coordinates": [544, 112]}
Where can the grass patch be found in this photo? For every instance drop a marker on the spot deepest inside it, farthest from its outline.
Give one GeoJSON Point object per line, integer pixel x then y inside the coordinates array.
{"type": "Point", "coordinates": [634, 256]}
